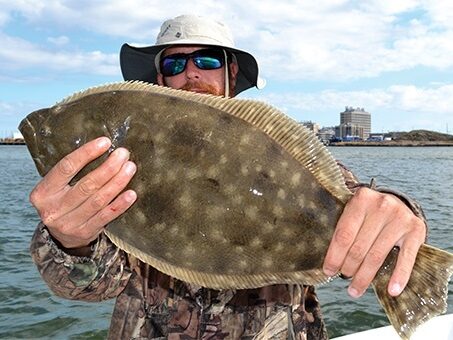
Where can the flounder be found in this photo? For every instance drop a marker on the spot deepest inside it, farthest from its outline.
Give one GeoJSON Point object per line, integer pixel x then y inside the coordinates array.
{"type": "Point", "coordinates": [232, 193]}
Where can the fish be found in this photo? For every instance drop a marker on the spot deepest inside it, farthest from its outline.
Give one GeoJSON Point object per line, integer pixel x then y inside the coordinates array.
{"type": "Point", "coordinates": [232, 193]}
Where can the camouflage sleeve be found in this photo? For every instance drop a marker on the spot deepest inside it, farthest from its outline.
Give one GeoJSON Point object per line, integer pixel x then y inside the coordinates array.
{"type": "Point", "coordinates": [101, 276]}
{"type": "Point", "coordinates": [353, 183]}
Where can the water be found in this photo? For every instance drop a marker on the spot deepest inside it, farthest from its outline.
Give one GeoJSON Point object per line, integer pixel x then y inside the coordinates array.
{"type": "Point", "coordinates": [423, 173]}
{"type": "Point", "coordinates": [29, 310]}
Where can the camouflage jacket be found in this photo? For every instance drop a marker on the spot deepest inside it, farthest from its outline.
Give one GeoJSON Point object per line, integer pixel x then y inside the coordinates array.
{"type": "Point", "coordinates": [151, 305]}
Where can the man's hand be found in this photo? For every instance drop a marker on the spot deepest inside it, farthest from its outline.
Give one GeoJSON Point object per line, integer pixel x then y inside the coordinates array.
{"type": "Point", "coordinates": [373, 223]}
{"type": "Point", "coordinates": [76, 215]}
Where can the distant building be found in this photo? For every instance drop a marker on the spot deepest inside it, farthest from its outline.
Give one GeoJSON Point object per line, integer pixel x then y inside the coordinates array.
{"type": "Point", "coordinates": [376, 137]}
{"type": "Point", "coordinates": [311, 126]}
{"type": "Point", "coordinates": [326, 134]}
{"type": "Point", "coordinates": [354, 123]}
{"type": "Point", "coordinates": [350, 132]}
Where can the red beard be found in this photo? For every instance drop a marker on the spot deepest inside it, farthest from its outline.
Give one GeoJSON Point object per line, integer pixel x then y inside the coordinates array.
{"type": "Point", "coordinates": [202, 87]}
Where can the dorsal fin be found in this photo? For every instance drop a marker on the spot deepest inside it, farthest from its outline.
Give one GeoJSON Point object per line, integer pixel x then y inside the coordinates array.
{"type": "Point", "coordinates": [295, 138]}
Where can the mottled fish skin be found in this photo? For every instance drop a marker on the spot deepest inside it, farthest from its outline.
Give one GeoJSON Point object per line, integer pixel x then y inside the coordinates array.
{"type": "Point", "coordinates": [231, 193]}
{"type": "Point", "coordinates": [204, 178]}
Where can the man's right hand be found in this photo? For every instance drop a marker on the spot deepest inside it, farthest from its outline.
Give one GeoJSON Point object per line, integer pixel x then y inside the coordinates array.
{"type": "Point", "coordinates": [76, 215]}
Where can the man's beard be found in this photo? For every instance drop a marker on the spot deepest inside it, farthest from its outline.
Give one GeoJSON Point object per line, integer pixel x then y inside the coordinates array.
{"type": "Point", "coordinates": [202, 87]}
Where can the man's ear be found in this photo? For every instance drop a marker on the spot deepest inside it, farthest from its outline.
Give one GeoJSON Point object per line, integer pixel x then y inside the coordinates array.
{"type": "Point", "coordinates": [234, 69]}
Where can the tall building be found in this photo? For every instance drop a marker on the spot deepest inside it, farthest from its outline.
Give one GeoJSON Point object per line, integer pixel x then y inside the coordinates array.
{"type": "Point", "coordinates": [355, 122]}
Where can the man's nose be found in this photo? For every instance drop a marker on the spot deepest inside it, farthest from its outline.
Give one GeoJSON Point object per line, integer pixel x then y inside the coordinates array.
{"type": "Point", "coordinates": [192, 71]}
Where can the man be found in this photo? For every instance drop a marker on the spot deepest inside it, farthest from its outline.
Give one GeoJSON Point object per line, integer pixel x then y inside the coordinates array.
{"type": "Point", "coordinates": [79, 262]}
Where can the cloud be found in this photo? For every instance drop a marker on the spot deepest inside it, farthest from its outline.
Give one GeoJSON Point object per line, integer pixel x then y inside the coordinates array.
{"type": "Point", "coordinates": [19, 54]}
{"type": "Point", "coordinates": [59, 41]}
{"type": "Point", "coordinates": [320, 40]}
{"type": "Point", "coordinates": [395, 108]}
{"type": "Point", "coordinates": [404, 97]}
{"type": "Point", "coordinates": [339, 42]}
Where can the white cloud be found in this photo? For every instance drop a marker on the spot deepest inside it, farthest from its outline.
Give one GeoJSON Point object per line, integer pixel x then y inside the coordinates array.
{"type": "Point", "coordinates": [294, 40]}
{"type": "Point", "coordinates": [397, 107]}
{"type": "Point", "coordinates": [404, 97]}
{"type": "Point", "coordinates": [332, 41]}
{"type": "Point", "coordinates": [19, 54]}
{"type": "Point", "coordinates": [59, 41]}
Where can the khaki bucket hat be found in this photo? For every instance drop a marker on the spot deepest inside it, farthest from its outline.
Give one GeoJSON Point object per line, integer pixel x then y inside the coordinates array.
{"type": "Point", "coordinates": [139, 63]}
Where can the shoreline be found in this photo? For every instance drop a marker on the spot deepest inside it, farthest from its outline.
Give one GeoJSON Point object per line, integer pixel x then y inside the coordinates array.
{"type": "Point", "coordinates": [405, 143]}
{"type": "Point", "coordinates": [12, 142]}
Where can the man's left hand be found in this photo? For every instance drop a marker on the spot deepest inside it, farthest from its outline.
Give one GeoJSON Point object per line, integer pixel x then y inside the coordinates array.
{"type": "Point", "coordinates": [373, 223]}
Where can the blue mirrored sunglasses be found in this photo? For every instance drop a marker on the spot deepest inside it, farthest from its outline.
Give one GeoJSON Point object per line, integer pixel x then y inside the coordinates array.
{"type": "Point", "coordinates": [206, 59]}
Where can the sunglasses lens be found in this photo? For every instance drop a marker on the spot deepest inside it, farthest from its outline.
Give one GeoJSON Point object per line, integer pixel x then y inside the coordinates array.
{"type": "Point", "coordinates": [207, 63]}
{"type": "Point", "coordinates": [207, 59]}
{"type": "Point", "coordinates": [173, 65]}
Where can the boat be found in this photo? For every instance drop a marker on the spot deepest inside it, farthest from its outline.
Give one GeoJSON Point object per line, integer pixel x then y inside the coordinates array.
{"type": "Point", "coordinates": [438, 328]}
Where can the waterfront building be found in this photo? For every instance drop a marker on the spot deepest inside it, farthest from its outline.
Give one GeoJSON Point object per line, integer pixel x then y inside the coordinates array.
{"type": "Point", "coordinates": [354, 123]}
{"type": "Point", "coordinates": [350, 132]}
{"type": "Point", "coordinates": [311, 126]}
{"type": "Point", "coordinates": [326, 134]}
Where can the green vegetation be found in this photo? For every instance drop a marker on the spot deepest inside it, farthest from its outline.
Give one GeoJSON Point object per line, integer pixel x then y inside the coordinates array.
{"type": "Point", "coordinates": [421, 136]}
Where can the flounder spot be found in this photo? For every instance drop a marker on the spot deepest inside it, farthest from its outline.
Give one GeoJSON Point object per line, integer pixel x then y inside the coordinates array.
{"type": "Point", "coordinates": [267, 262]}
{"type": "Point", "coordinates": [278, 211]}
{"type": "Point", "coordinates": [213, 171]}
{"type": "Point", "coordinates": [281, 194]}
{"type": "Point", "coordinates": [295, 179]}
{"type": "Point", "coordinates": [256, 242]}
{"type": "Point", "coordinates": [244, 170]}
{"type": "Point", "coordinates": [223, 159]}
{"type": "Point", "coordinates": [278, 247]}
{"type": "Point", "coordinates": [268, 228]}
{"type": "Point", "coordinates": [243, 264]}
{"type": "Point", "coordinates": [140, 216]}
{"type": "Point", "coordinates": [185, 199]}
{"type": "Point", "coordinates": [174, 230]}
{"type": "Point", "coordinates": [192, 173]}
{"type": "Point", "coordinates": [251, 212]}
{"type": "Point", "coordinates": [159, 137]}
{"type": "Point", "coordinates": [159, 227]}
{"type": "Point", "coordinates": [245, 140]}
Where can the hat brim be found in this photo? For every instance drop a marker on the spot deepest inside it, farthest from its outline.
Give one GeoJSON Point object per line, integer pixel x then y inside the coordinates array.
{"type": "Point", "coordinates": [137, 63]}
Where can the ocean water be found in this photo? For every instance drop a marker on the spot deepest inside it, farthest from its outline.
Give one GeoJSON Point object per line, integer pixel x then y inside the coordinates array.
{"type": "Point", "coordinates": [28, 310]}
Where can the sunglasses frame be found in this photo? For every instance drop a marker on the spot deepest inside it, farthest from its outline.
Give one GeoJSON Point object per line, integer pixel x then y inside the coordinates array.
{"type": "Point", "coordinates": [215, 53]}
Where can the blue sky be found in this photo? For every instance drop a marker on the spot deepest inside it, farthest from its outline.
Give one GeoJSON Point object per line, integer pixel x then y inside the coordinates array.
{"type": "Point", "coordinates": [393, 58]}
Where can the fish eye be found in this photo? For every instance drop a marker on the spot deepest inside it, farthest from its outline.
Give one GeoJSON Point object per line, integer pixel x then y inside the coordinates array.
{"type": "Point", "coordinates": [45, 131]}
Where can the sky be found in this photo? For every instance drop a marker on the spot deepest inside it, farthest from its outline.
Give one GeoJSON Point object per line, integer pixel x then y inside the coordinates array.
{"type": "Point", "coordinates": [392, 58]}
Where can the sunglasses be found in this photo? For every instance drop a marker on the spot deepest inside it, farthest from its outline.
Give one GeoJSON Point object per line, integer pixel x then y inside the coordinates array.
{"type": "Point", "coordinates": [206, 59]}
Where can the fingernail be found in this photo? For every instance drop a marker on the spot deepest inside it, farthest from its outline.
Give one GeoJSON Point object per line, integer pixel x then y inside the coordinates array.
{"type": "Point", "coordinates": [329, 271]}
{"type": "Point", "coordinates": [103, 142]}
{"type": "Point", "coordinates": [354, 292]}
{"type": "Point", "coordinates": [130, 196]}
{"type": "Point", "coordinates": [121, 153]}
{"type": "Point", "coordinates": [395, 289]}
{"type": "Point", "coordinates": [130, 168]}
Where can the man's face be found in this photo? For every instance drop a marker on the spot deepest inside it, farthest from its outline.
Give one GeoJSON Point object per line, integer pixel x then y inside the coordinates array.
{"type": "Point", "coordinates": [194, 79]}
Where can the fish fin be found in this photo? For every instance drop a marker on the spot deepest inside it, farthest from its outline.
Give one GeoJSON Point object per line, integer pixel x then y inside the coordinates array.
{"type": "Point", "coordinates": [296, 139]}
{"type": "Point", "coordinates": [223, 281]}
{"type": "Point", "coordinates": [301, 143]}
{"type": "Point", "coordinates": [425, 295]}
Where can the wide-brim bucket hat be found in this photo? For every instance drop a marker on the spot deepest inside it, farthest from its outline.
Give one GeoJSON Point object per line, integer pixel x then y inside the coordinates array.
{"type": "Point", "coordinates": [139, 63]}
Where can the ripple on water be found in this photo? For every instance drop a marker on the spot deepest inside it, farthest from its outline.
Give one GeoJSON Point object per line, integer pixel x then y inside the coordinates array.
{"type": "Point", "coordinates": [29, 310]}
{"type": "Point", "coordinates": [44, 329]}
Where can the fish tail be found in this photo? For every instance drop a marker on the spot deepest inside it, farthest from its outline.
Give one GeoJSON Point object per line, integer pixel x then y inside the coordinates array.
{"type": "Point", "coordinates": [425, 295]}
